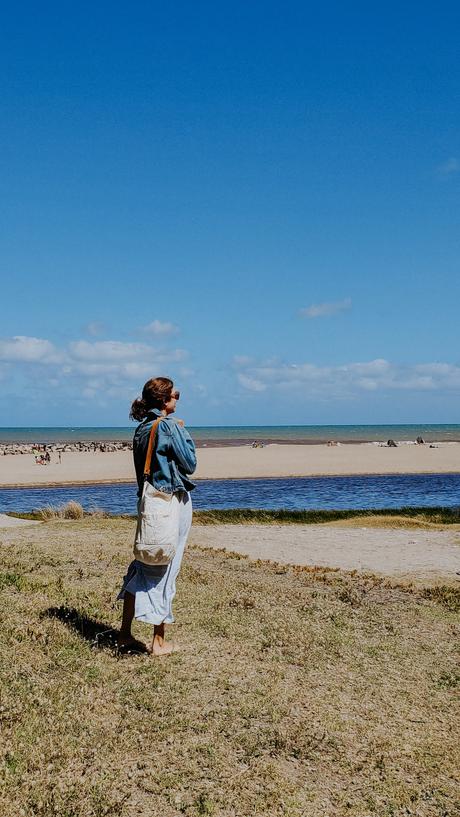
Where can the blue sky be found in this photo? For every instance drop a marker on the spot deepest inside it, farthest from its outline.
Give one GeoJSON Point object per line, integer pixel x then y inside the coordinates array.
{"type": "Point", "coordinates": [259, 199]}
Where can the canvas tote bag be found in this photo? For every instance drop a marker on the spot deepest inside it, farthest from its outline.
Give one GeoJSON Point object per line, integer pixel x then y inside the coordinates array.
{"type": "Point", "coordinates": [157, 529]}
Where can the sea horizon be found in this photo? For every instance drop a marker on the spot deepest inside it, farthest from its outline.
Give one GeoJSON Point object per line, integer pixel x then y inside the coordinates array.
{"type": "Point", "coordinates": [243, 434]}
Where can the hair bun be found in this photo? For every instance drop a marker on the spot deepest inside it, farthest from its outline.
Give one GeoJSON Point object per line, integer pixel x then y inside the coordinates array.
{"type": "Point", "coordinates": [138, 409]}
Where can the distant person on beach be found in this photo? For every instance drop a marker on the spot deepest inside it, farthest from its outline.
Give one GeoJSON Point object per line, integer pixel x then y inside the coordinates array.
{"type": "Point", "coordinates": [148, 590]}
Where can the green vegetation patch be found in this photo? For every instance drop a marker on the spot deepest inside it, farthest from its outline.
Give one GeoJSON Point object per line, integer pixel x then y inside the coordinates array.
{"type": "Point", "coordinates": [447, 595]}
{"type": "Point", "coordinates": [11, 579]}
{"type": "Point", "coordinates": [238, 516]}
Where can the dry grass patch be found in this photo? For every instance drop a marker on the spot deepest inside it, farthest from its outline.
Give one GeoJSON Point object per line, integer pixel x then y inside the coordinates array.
{"type": "Point", "coordinates": [395, 522]}
{"type": "Point", "coordinates": [296, 692]}
{"type": "Point", "coordinates": [71, 510]}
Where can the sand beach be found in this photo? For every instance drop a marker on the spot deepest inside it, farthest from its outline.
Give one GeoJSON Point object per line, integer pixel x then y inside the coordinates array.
{"type": "Point", "coordinates": [80, 468]}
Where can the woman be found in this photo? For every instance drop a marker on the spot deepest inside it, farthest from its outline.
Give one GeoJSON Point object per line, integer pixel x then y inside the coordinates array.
{"type": "Point", "coordinates": [148, 590]}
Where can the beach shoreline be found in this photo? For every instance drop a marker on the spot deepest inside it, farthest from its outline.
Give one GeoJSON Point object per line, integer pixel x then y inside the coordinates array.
{"type": "Point", "coordinates": [56, 438]}
{"type": "Point", "coordinates": [238, 462]}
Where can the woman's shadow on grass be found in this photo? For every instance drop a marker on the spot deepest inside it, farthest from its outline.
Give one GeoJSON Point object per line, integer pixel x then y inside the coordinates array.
{"type": "Point", "coordinates": [97, 633]}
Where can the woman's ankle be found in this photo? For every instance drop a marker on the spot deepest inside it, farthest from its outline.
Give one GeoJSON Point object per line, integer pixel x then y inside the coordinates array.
{"type": "Point", "coordinates": [158, 634]}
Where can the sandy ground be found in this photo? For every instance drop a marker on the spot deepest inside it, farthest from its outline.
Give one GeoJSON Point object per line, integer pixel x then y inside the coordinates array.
{"type": "Point", "coordinates": [409, 554]}
{"type": "Point", "coordinates": [12, 522]}
{"type": "Point", "coordinates": [239, 462]}
{"type": "Point", "coordinates": [401, 553]}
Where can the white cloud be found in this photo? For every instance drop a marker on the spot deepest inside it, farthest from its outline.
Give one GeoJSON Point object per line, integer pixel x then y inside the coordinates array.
{"type": "Point", "coordinates": [440, 373]}
{"type": "Point", "coordinates": [160, 328]}
{"type": "Point", "coordinates": [449, 167]}
{"type": "Point", "coordinates": [109, 350]}
{"type": "Point", "coordinates": [372, 367]}
{"type": "Point", "coordinates": [326, 309]}
{"type": "Point", "coordinates": [350, 379]}
{"type": "Point", "coordinates": [94, 328]}
{"type": "Point", "coordinates": [251, 383]}
{"type": "Point", "coordinates": [28, 350]}
{"type": "Point", "coordinates": [112, 360]}
{"type": "Point", "coordinates": [241, 361]}
{"type": "Point", "coordinates": [86, 368]}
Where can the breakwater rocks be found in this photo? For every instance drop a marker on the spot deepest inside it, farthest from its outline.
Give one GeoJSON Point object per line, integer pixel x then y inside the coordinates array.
{"type": "Point", "coordinates": [41, 449]}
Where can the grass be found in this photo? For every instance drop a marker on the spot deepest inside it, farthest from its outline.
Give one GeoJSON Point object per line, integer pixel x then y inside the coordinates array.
{"type": "Point", "coordinates": [446, 595]}
{"type": "Point", "coordinates": [386, 517]}
{"type": "Point", "coordinates": [303, 692]}
{"type": "Point", "coordinates": [237, 516]}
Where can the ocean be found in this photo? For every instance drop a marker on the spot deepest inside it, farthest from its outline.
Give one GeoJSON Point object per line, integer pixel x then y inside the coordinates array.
{"type": "Point", "coordinates": [301, 493]}
{"type": "Point", "coordinates": [241, 435]}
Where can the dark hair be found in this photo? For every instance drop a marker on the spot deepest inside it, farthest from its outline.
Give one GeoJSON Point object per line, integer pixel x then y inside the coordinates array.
{"type": "Point", "coordinates": [155, 394]}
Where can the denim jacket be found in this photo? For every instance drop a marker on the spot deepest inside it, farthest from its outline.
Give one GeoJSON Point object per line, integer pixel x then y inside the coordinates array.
{"type": "Point", "coordinates": [173, 455]}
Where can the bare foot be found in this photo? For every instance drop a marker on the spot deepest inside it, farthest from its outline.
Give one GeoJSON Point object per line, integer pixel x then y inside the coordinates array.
{"type": "Point", "coordinates": [127, 644]}
{"type": "Point", "coordinates": [161, 647]}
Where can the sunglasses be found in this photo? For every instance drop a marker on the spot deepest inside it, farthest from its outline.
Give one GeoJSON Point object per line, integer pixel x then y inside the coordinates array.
{"type": "Point", "coordinates": [175, 395]}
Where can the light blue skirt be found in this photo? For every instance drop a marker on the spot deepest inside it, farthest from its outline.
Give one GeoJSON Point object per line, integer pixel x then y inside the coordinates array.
{"type": "Point", "coordinates": [154, 586]}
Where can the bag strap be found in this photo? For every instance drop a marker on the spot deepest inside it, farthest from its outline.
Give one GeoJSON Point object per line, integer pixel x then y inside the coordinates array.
{"type": "Point", "coordinates": [148, 459]}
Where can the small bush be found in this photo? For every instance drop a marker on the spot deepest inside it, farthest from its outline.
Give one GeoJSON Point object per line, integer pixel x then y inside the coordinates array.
{"type": "Point", "coordinates": [47, 513]}
{"type": "Point", "coordinates": [72, 510]}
